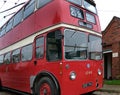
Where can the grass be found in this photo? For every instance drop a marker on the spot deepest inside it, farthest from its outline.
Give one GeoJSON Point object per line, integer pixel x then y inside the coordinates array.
{"type": "Point", "coordinates": [112, 82]}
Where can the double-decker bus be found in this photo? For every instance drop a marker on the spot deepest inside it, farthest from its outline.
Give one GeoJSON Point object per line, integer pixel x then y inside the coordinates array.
{"type": "Point", "coordinates": [52, 47]}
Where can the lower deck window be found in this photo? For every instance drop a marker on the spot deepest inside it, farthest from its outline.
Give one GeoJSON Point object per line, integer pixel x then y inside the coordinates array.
{"type": "Point", "coordinates": [7, 58]}
{"type": "Point", "coordinates": [16, 56]}
{"type": "Point", "coordinates": [26, 53]}
{"type": "Point", "coordinates": [1, 59]}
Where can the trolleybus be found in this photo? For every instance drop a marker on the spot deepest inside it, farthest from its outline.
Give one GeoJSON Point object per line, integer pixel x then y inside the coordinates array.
{"type": "Point", "coordinates": [52, 47]}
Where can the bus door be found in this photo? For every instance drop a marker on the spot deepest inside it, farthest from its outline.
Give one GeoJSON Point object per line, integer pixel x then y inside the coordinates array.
{"type": "Point", "coordinates": [39, 52]}
{"type": "Point", "coordinates": [53, 50]}
{"type": "Point", "coordinates": [2, 65]}
{"type": "Point", "coordinates": [25, 67]}
{"type": "Point", "coordinates": [5, 69]}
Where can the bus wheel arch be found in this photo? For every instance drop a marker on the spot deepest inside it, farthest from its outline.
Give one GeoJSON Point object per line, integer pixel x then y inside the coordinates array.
{"type": "Point", "coordinates": [47, 79]}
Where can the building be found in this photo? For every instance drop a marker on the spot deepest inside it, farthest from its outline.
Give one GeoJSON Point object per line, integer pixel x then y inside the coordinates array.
{"type": "Point", "coordinates": [111, 49]}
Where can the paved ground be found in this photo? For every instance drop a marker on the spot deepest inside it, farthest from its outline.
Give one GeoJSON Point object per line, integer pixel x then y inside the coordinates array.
{"type": "Point", "coordinates": [105, 93]}
{"type": "Point", "coordinates": [96, 93]}
{"type": "Point", "coordinates": [6, 93]}
{"type": "Point", "coordinates": [106, 90]}
{"type": "Point", "coordinates": [111, 88]}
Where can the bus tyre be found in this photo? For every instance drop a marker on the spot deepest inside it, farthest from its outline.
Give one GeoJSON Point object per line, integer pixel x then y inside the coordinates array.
{"type": "Point", "coordinates": [0, 86]}
{"type": "Point", "coordinates": [90, 93]}
{"type": "Point", "coordinates": [46, 87]}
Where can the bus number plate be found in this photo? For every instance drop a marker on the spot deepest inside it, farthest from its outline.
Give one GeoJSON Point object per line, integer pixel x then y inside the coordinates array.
{"type": "Point", "coordinates": [87, 85]}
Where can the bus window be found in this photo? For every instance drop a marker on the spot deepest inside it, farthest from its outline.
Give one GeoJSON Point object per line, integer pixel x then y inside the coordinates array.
{"type": "Point", "coordinates": [29, 9]}
{"type": "Point", "coordinates": [95, 47]}
{"type": "Point", "coordinates": [54, 49]}
{"type": "Point", "coordinates": [18, 17]}
{"type": "Point", "coordinates": [75, 12]}
{"type": "Point", "coordinates": [0, 32]}
{"type": "Point", "coordinates": [89, 6]}
{"type": "Point", "coordinates": [3, 31]}
{"type": "Point", "coordinates": [41, 3]}
{"type": "Point", "coordinates": [7, 58]}
{"type": "Point", "coordinates": [26, 53]}
{"type": "Point", "coordinates": [90, 18]}
{"type": "Point", "coordinates": [16, 56]}
{"type": "Point", "coordinates": [76, 43]}
{"type": "Point", "coordinates": [40, 47]}
{"type": "Point", "coordinates": [1, 59]}
{"type": "Point", "coordinates": [78, 2]}
{"type": "Point", "coordinates": [9, 25]}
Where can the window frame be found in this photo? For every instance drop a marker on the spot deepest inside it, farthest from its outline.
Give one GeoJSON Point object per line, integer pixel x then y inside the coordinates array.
{"type": "Point", "coordinates": [18, 17]}
{"type": "Point", "coordinates": [1, 61]}
{"type": "Point", "coordinates": [3, 30]}
{"type": "Point", "coordinates": [92, 4]}
{"type": "Point", "coordinates": [77, 47]}
{"type": "Point", "coordinates": [91, 15]}
{"type": "Point", "coordinates": [53, 43]}
{"type": "Point", "coordinates": [40, 46]}
{"type": "Point", "coordinates": [76, 10]}
{"type": "Point", "coordinates": [27, 8]}
{"type": "Point", "coordinates": [8, 54]}
{"type": "Point", "coordinates": [40, 6]}
{"type": "Point", "coordinates": [24, 53]}
{"type": "Point", "coordinates": [15, 54]}
{"type": "Point", "coordinates": [89, 46]}
{"type": "Point", "coordinates": [75, 2]}
{"type": "Point", "coordinates": [9, 25]}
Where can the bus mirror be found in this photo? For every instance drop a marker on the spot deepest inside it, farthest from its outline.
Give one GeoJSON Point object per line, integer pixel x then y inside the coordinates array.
{"type": "Point", "coordinates": [58, 35]}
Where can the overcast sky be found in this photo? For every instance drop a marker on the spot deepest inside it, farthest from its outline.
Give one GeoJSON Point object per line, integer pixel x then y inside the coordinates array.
{"type": "Point", "coordinates": [106, 10]}
{"type": "Point", "coordinates": [6, 4]}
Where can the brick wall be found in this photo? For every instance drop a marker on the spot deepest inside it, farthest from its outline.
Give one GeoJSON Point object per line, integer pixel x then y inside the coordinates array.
{"type": "Point", "coordinates": [111, 41]}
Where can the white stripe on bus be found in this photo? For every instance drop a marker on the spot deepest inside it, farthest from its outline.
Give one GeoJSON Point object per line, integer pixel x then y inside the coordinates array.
{"type": "Point", "coordinates": [31, 38]}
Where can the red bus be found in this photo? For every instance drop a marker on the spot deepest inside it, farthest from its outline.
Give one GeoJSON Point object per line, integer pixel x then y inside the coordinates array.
{"type": "Point", "coordinates": [52, 47]}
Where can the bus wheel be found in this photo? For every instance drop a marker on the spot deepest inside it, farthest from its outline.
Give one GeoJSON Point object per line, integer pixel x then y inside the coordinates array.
{"type": "Point", "coordinates": [90, 93]}
{"type": "Point", "coordinates": [46, 87]}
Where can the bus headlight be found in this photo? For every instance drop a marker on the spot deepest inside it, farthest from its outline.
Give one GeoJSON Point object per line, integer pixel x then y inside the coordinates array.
{"type": "Point", "coordinates": [72, 75]}
{"type": "Point", "coordinates": [99, 72]}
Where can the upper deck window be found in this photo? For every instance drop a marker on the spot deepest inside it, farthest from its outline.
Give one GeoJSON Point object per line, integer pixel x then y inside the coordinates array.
{"type": "Point", "coordinates": [78, 2]}
{"type": "Point", "coordinates": [29, 9]}
{"type": "Point", "coordinates": [90, 18]}
{"type": "Point", "coordinates": [18, 17]}
{"type": "Point", "coordinates": [3, 31]}
{"type": "Point", "coordinates": [41, 3]}
{"type": "Point", "coordinates": [9, 25]}
{"type": "Point", "coordinates": [76, 12]}
{"type": "Point", "coordinates": [90, 7]}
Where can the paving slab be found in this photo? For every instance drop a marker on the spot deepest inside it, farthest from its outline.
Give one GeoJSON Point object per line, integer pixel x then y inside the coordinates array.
{"type": "Point", "coordinates": [111, 88]}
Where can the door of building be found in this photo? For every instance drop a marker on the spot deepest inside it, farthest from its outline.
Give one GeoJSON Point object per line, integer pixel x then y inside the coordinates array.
{"type": "Point", "coordinates": [108, 65]}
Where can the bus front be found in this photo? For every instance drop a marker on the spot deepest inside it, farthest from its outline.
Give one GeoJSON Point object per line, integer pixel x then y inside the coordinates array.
{"type": "Point", "coordinates": [82, 51]}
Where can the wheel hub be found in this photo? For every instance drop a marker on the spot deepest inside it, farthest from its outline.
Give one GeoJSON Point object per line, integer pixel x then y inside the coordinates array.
{"type": "Point", "coordinates": [45, 89]}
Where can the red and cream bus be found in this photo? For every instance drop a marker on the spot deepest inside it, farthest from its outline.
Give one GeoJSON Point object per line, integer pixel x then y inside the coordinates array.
{"type": "Point", "coordinates": [52, 47]}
